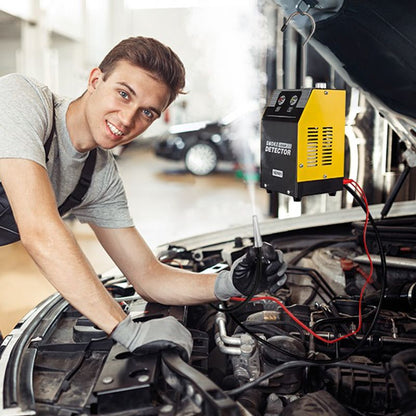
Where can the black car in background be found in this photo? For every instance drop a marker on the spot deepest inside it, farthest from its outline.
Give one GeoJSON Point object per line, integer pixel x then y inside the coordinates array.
{"type": "Point", "coordinates": [201, 145]}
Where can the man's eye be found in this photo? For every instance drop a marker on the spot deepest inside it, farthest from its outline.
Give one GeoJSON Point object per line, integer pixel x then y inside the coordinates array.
{"type": "Point", "coordinates": [124, 94]}
{"type": "Point", "coordinates": [148, 113]}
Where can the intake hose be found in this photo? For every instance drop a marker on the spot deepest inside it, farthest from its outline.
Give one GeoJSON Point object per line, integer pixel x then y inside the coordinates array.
{"type": "Point", "coordinates": [398, 297]}
{"type": "Point", "coordinates": [400, 378]}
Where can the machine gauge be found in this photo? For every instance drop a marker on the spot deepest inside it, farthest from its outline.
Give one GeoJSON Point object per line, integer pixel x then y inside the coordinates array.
{"type": "Point", "coordinates": [294, 100]}
{"type": "Point", "coordinates": [281, 100]}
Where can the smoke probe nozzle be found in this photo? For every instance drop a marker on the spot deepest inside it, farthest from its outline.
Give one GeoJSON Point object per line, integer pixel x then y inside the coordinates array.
{"type": "Point", "coordinates": [258, 242]}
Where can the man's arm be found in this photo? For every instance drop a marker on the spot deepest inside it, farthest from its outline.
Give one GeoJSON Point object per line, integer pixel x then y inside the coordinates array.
{"type": "Point", "coordinates": [153, 280]}
{"type": "Point", "coordinates": [52, 246]}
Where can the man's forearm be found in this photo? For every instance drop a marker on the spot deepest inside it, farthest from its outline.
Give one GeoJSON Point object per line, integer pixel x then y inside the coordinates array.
{"type": "Point", "coordinates": [153, 280]}
{"type": "Point", "coordinates": [168, 285]}
{"type": "Point", "coordinates": [63, 263]}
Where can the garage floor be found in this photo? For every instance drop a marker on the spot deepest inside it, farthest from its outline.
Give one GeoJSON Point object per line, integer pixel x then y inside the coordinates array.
{"type": "Point", "coordinates": [166, 203]}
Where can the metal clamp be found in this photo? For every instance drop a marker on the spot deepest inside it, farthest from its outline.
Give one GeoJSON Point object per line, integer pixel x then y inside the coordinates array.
{"type": "Point", "coordinates": [309, 4]}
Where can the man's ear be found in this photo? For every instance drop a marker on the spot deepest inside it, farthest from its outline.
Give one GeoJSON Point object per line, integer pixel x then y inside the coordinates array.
{"type": "Point", "coordinates": [95, 77]}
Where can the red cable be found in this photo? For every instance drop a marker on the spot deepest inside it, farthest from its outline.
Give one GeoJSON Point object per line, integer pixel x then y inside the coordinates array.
{"type": "Point", "coordinates": [367, 280]}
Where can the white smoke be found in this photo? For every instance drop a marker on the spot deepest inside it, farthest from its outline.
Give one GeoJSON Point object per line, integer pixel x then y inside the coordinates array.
{"type": "Point", "coordinates": [232, 40]}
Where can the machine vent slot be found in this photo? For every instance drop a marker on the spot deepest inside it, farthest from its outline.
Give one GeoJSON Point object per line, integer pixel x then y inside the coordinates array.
{"type": "Point", "coordinates": [312, 147]}
{"type": "Point", "coordinates": [327, 145]}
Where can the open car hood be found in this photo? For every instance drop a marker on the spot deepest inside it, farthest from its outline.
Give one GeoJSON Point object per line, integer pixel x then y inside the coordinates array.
{"type": "Point", "coordinates": [372, 45]}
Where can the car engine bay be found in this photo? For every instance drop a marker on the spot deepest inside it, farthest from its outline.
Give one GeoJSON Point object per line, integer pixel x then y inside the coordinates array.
{"type": "Point", "coordinates": [319, 345]}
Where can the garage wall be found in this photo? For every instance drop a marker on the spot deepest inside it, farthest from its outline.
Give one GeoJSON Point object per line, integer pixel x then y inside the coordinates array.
{"type": "Point", "coordinates": [214, 44]}
{"type": "Point", "coordinates": [213, 41]}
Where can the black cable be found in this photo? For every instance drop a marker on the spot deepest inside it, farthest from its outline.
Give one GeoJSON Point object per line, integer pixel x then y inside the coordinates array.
{"type": "Point", "coordinates": [281, 350]}
{"type": "Point", "coordinates": [270, 327]}
{"type": "Point", "coordinates": [320, 278]}
{"type": "Point", "coordinates": [263, 341]}
{"type": "Point", "coordinates": [268, 344]}
{"type": "Point", "coordinates": [340, 319]}
{"type": "Point", "coordinates": [337, 323]}
{"type": "Point", "coordinates": [314, 292]}
{"type": "Point", "coordinates": [316, 277]}
{"type": "Point", "coordinates": [389, 229]}
{"type": "Point", "coordinates": [383, 276]}
{"type": "Point", "coordinates": [303, 363]}
{"type": "Point", "coordinates": [376, 313]}
{"type": "Point", "coordinates": [324, 243]}
{"type": "Point", "coordinates": [396, 188]}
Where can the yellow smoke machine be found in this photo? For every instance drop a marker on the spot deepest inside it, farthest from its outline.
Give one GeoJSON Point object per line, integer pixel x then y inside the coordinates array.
{"type": "Point", "coordinates": [302, 143]}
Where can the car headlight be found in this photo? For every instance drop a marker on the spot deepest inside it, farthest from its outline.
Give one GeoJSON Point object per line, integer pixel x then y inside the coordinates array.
{"type": "Point", "coordinates": [176, 141]}
{"type": "Point", "coordinates": [216, 138]}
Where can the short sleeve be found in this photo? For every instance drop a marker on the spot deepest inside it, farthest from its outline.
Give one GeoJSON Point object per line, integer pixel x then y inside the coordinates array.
{"type": "Point", "coordinates": [26, 110]}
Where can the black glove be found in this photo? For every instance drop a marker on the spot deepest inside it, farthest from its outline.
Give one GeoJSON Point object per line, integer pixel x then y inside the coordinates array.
{"type": "Point", "coordinates": [153, 336]}
{"type": "Point", "coordinates": [240, 280]}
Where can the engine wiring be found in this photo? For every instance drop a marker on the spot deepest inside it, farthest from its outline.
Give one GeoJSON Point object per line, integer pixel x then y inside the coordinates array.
{"type": "Point", "coordinates": [303, 363]}
{"type": "Point", "coordinates": [273, 328]}
{"type": "Point", "coordinates": [314, 292]}
{"type": "Point", "coordinates": [301, 324]}
{"type": "Point", "coordinates": [319, 244]}
{"type": "Point", "coordinates": [359, 195]}
{"type": "Point", "coordinates": [316, 277]}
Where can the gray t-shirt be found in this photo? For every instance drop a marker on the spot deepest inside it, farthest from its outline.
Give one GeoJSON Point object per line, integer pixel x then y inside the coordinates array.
{"type": "Point", "coordinates": [26, 111]}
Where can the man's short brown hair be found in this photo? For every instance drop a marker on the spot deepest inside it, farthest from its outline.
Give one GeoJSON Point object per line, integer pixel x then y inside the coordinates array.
{"type": "Point", "coordinates": [152, 56]}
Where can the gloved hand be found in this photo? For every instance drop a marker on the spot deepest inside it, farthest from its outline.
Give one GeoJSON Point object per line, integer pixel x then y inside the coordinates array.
{"type": "Point", "coordinates": [240, 280]}
{"type": "Point", "coordinates": [152, 336]}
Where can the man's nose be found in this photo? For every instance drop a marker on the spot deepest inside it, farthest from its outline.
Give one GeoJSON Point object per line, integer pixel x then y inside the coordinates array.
{"type": "Point", "coordinates": [127, 116]}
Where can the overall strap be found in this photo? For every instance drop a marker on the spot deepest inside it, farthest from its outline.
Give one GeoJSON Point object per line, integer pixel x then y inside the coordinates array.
{"type": "Point", "coordinates": [75, 198]}
{"type": "Point", "coordinates": [48, 143]}
{"type": "Point", "coordinates": [83, 184]}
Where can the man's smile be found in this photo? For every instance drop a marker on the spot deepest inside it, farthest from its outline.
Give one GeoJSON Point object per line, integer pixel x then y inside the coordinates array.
{"type": "Point", "coordinates": [114, 129]}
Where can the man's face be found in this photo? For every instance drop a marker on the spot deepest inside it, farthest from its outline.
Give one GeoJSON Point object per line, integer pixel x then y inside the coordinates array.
{"type": "Point", "coordinates": [124, 105]}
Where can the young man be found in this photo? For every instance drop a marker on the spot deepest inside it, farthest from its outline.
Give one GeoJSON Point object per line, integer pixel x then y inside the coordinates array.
{"type": "Point", "coordinates": [130, 89]}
